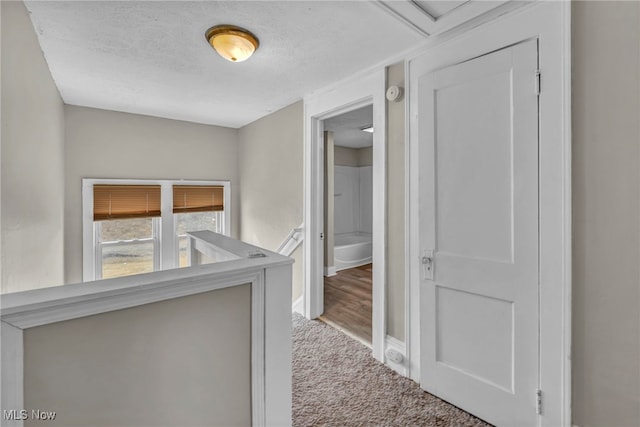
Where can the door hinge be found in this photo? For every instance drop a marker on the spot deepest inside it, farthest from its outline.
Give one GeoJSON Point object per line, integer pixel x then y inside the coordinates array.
{"type": "Point", "coordinates": [539, 402]}
{"type": "Point", "coordinates": [538, 81]}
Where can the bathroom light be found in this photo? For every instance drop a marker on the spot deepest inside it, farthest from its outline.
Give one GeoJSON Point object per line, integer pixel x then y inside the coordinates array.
{"type": "Point", "coordinates": [233, 43]}
{"type": "Point", "coordinates": [367, 129]}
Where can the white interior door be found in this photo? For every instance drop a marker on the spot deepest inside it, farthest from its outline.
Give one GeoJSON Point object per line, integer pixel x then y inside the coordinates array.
{"type": "Point", "coordinates": [478, 136]}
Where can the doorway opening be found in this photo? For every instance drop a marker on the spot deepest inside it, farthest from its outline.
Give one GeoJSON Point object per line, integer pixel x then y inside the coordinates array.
{"type": "Point", "coordinates": [348, 222]}
{"type": "Point", "coordinates": [350, 95]}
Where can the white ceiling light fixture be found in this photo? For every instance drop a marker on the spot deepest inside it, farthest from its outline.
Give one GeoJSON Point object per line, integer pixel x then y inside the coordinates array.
{"type": "Point", "coordinates": [367, 129]}
{"type": "Point", "coordinates": [233, 43]}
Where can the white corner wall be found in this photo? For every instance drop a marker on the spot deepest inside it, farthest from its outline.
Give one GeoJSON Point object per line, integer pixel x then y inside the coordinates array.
{"type": "Point", "coordinates": [606, 213]}
{"type": "Point", "coordinates": [32, 162]}
{"type": "Point", "coordinates": [271, 167]}
{"type": "Point", "coordinates": [109, 144]}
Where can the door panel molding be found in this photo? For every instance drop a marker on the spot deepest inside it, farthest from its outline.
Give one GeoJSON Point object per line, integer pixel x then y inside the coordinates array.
{"type": "Point", "coordinates": [478, 120]}
{"type": "Point", "coordinates": [549, 22]}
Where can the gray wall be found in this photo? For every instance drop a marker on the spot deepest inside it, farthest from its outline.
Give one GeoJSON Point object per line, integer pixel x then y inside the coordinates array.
{"type": "Point", "coordinates": [353, 156]}
{"type": "Point", "coordinates": [271, 167]}
{"type": "Point", "coordinates": [185, 361]}
{"type": "Point", "coordinates": [395, 207]}
{"type": "Point", "coordinates": [32, 165]}
{"type": "Point", "coordinates": [606, 213]}
{"type": "Point", "coordinates": [108, 144]}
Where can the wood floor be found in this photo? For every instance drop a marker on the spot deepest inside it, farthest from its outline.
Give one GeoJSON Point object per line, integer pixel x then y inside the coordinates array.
{"type": "Point", "coordinates": [347, 301]}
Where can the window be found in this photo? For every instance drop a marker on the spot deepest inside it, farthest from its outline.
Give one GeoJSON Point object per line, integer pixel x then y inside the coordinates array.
{"type": "Point", "coordinates": [126, 237]}
{"type": "Point", "coordinates": [196, 208]}
{"type": "Point", "coordinates": [135, 226]}
{"type": "Point", "coordinates": [126, 246]}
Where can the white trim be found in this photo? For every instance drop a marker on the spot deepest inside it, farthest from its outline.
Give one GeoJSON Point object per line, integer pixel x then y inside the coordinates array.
{"type": "Point", "coordinates": [120, 298]}
{"type": "Point", "coordinates": [465, 16]}
{"type": "Point", "coordinates": [365, 90]}
{"type": "Point", "coordinates": [298, 305]}
{"type": "Point", "coordinates": [167, 238]}
{"type": "Point", "coordinates": [167, 257]}
{"type": "Point", "coordinates": [277, 346]}
{"type": "Point", "coordinates": [258, 404]}
{"type": "Point", "coordinates": [392, 343]}
{"type": "Point", "coordinates": [331, 271]}
{"type": "Point", "coordinates": [566, 227]}
{"type": "Point", "coordinates": [411, 366]}
{"type": "Point", "coordinates": [292, 241]}
{"type": "Point", "coordinates": [410, 14]}
{"type": "Point", "coordinates": [550, 23]}
{"type": "Point", "coordinates": [469, 11]}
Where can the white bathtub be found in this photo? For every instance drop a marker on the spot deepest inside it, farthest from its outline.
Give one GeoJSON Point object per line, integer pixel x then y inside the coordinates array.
{"type": "Point", "coordinates": [352, 250]}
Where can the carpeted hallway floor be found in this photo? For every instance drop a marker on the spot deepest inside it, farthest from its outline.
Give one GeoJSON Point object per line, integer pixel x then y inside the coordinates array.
{"type": "Point", "coordinates": [336, 382]}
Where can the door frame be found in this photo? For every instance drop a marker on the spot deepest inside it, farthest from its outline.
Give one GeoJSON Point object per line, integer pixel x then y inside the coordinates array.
{"type": "Point", "coordinates": [550, 23]}
{"type": "Point", "coordinates": [366, 89]}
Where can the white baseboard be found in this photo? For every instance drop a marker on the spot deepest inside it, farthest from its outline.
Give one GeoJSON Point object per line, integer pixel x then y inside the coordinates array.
{"type": "Point", "coordinates": [391, 343]}
{"type": "Point", "coordinates": [298, 306]}
{"type": "Point", "coordinates": [330, 271]}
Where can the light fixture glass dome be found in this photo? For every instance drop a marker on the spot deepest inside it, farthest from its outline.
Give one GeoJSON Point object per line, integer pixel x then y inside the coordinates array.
{"type": "Point", "coordinates": [233, 43]}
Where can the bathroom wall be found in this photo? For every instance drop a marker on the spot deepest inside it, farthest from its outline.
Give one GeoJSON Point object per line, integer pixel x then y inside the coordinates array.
{"type": "Point", "coordinates": [353, 190]}
{"type": "Point", "coordinates": [346, 199]}
{"type": "Point", "coordinates": [366, 198]}
{"type": "Point", "coordinates": [353, 156]}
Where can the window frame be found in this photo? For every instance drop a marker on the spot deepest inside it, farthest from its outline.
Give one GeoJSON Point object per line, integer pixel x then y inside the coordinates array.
{"type": "Point", "coordinates": [168, 256]}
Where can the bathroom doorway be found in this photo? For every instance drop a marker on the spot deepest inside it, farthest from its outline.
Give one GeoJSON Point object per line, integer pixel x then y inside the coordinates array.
{"type": "Point", "coordinates": [350, 95]}
{"type": "Point", "coordinates": [348, 222]}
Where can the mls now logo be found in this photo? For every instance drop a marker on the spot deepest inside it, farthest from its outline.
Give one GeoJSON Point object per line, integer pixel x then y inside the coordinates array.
{"type": "Point", "coordinates": [23, 414]}
{"type": "Point", "coordinates": [37, 414]}
{"type": "Point", "coordinates": [14, 414]}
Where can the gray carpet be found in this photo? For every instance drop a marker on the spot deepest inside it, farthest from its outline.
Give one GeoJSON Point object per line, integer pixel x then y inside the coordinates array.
{"type": "Point", "coordinates": [336, 382]}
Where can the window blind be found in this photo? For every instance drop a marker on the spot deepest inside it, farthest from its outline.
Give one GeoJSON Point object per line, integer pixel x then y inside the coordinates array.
{"type": "Point", "coordinates": [198, 198]}
{"type": "Point", "coordinates": [125, 201]}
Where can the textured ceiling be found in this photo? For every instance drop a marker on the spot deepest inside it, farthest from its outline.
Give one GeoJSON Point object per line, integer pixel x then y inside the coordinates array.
{"type": "Point", "coordinates": [150, 57]}
{"type": "Point", "coordinates": [347, 127]}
